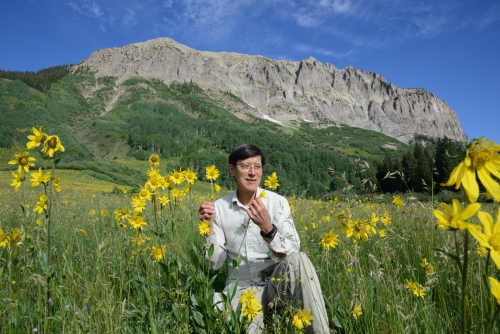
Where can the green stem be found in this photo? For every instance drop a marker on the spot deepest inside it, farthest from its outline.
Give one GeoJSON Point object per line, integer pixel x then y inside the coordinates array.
{"type": "Point", "coordinates": [493, 320]}
{"type": "Point", "coordinates": [491, 298]}
{"type": "Point", "coordinates": [154, 213]}
{"type": "Point", "coordinates": [464, 282]}
{"type": "Point", "coordinates": [459, 264]}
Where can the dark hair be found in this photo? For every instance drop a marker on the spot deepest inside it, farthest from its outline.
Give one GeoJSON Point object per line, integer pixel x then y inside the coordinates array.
{"type": "Point", "coordinates": [245, 151]}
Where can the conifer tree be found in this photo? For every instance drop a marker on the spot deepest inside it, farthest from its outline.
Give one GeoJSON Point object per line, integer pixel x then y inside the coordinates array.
{"type": "Point", "coordinates": [421, 173]}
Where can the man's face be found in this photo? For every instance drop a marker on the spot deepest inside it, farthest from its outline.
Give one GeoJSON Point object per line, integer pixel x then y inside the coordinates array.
{"type": "Point", "coordinates": [246, 175]}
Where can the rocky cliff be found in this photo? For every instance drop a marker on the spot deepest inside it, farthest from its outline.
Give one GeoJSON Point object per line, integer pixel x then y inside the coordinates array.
{"type": "Point", "coordinates": [283, 91]}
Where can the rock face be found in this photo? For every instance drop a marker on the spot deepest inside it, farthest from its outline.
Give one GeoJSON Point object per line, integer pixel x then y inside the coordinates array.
{"type": "Point", "coordinates": [284, 91]}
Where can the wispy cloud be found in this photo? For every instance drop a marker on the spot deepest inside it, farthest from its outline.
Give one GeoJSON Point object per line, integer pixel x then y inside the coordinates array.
{"type": "Point", "coordinates": [87, 8]}
{"type": "Point", "coordinates": [491, 15]}
{"type": "Point", "coordinates": [129, 19]}
{"type": "Point", "coordinates": [338, 6]}
{"type": "Point", "coordinates": [306, 19]}
{"type": "Point", "coordinates": [315, 50]}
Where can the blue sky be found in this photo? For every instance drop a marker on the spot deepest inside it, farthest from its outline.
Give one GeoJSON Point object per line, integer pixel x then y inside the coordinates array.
{"type": "Point", "coordinates": [449, 47]}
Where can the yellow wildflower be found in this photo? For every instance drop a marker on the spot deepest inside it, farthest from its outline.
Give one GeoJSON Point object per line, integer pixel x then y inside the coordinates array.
{"type": "Point", "coordinates": [16, 236]}
{"type": "Point", "coordinates": [272, 181]}
{"type": "Point", "coordinates": [122, 214]}
{"type": "Point", "coordinates": [491, 236]}
{"type": "Point", "coordinates": [382, 233]}
{"type": "Point", "coordinates": [329, 239]}
{"type": "Point", "coordinates": [204, 228]}
{"type": "Point", "coordinates": [52, 144]}
{"type": "Point", "coordinates": [24, 162]}
{"type": "Point", "coordinates": [138, 239]}
{"type": "Point", "coordinates": [495, 289]}
{"type": "Point", "coordinates": [362, 229]}
{"type": "Point", "coordinates": [137, 222]}
{"type": "Point", "coordinates": [482, 158]}
{"type": "Point", "coordinates": [212, 173]}
{"type": "Point", "coordinates": [398, 201]}
{"type": "Point", "coordinates": [57, 184]}
{"type": "Point", "coordinates": [356, 311]}
{"type": "Point", "coordinates": [144, 194]}
{"type": "Point", "coordinates": [247, 295]}
{"type": "Point", "coordinates": [176, 177]}
{"type": "Point", "coordinates": [154, 160]}
{"type": "Point", "coordinates": [250, 306]}
{"type": "Point", "coordinates": [190, 176]}
{"type": "Point", "coordinates": [158, 252]}
{"type": "Point", "coordinates": [482, 251]}
{"type": "Point", "coordinates": [163, 200]}
{"type": "Point", "coordinates": [217, 188]}
{"type": "Point", "coordinates": [39, 177]}
{"type": "Point", "coordinates": [4, 239]}
{"type": "Point", "coordinates": [303, 317]}
{"type": "Point", "coordinates": [138, 204]}
{"type": "Point", "coordinates": [263, 194]}
{"type": "Point", "coordinates": [35, 139]}
{"type": "Point", "coordinates": [416, 288]}
{"type": "Point", "coordinates": [81, 231]}
{"type": "Point", "coordinates": [454, 218]}
{"type": "Point", "coordinates": [155, 180]}
{"type": "Point", "coordinates": [41, 204]}
{"type": "Point", "coordinates": [17, 181]}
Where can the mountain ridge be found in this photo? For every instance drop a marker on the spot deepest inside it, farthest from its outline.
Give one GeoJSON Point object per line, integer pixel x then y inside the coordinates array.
{"type": "Point", "coordinates": [285, 91]}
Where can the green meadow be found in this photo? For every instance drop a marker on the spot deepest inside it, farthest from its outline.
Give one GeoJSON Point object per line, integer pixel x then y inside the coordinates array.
{"type": "Point", "coordinates": [111, 243]}
{"type": "Point", "coordinates": [101, 279]}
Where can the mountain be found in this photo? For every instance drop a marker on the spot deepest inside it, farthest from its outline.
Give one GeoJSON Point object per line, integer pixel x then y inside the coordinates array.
{"type": "Point", "coordinates": [283, 91]}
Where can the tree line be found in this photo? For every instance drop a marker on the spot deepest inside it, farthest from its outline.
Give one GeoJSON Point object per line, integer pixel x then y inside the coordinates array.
{"type": "Point", "coordinates": [40, 80]}
{"type": "Point", "coordinates": [422, 169]}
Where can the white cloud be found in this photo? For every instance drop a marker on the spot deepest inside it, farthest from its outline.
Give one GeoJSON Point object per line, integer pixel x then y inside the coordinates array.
{"type": "Point", "coordinates": [167, 4]}
{"type": "Point", "coordinates": [129, 20]}
{"type": "Point", "coordinates": [338, 6]}
{"type": "Point", "coordinates": [307, 20]}
{"type": "Point", "coordinates": [489, 17]}
{"type": "Point", "coordinates": [315, 50]}
{"type": "Point", "coordinates": [87, 8]}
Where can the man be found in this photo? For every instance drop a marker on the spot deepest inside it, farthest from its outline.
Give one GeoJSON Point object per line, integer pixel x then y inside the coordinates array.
{"type": "Point", "coordinates": [262, 231]}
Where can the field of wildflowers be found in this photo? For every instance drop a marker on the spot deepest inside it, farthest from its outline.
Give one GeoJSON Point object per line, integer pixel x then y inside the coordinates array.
{"type": "Point", "coordinates": [77, 257]}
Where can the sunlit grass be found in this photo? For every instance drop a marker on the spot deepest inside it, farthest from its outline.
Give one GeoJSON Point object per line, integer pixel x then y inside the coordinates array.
{"type": "Point", "coordinates": [107, 258]}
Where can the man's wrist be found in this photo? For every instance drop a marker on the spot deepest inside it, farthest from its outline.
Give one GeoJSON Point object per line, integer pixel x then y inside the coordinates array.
{"type": "Point", "coordinates": [270, 234]}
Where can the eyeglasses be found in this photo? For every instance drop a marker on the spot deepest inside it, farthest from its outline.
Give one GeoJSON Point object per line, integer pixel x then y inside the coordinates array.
{"type": "Point", "coordinates": [246, 167]}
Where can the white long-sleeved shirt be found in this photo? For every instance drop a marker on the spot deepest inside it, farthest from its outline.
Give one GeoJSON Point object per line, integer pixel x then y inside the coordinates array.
{"type": "Point", "coordinates": [236, 234]}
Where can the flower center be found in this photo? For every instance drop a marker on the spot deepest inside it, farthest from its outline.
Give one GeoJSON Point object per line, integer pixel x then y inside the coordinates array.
{"type": "Point", "coordinates": [481, 152]}
{"type": "Point", "coordinates": [23, 161]}
{"type": "Point", "coordinates": [53, 142]}
{"type": "Point", "coordinates": [494, 241]}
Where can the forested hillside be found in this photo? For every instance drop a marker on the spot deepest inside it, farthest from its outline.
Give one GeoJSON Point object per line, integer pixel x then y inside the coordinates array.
{"type": "Point", "coordinates": [101, 121]}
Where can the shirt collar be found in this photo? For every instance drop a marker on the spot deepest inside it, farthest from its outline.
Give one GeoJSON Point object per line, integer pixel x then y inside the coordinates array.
{"type": "Point", "coordinates": [237, 202]}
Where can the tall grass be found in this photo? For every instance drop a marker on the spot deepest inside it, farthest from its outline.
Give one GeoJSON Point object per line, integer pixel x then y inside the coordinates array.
{"type": "Point", "coordinates": [104, 283]}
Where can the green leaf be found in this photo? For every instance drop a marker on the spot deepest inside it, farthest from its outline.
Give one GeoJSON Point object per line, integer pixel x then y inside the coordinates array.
{"type": "Point", "coordinates": [453, 256]}
{"type": "Point", "coordinates": [211, 251]}
{"type": "Point", "coordinates": [236, 262]}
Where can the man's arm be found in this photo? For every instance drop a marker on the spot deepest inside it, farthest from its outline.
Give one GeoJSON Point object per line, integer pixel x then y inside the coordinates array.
{"type": "Point", "coordinates": [285, 240]}
{"type": "Point", "coordinates": [207, 212]}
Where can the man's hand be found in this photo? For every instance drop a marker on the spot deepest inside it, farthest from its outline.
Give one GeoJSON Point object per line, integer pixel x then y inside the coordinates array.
{"type": "Point", "coordinates": [258, 214]}
{"type": "Point", "coordinates": [206, 212]}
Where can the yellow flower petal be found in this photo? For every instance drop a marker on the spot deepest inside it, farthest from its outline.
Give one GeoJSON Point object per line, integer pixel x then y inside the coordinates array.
{"type": "Point", "coordinates": [491, 185]}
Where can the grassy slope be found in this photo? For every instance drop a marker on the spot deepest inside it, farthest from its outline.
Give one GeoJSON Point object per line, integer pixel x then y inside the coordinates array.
{"type": "Point", "coordinates": [97, 136]}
